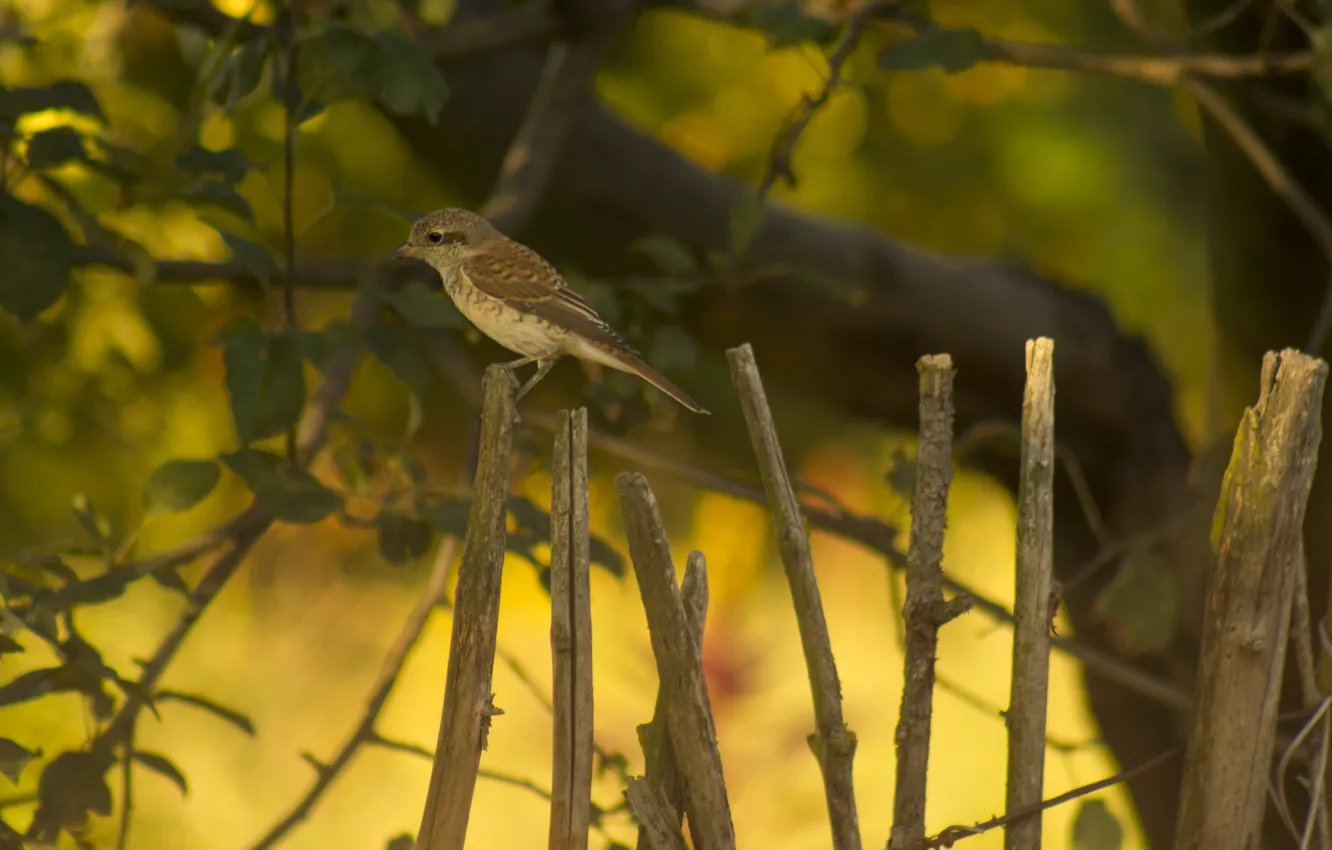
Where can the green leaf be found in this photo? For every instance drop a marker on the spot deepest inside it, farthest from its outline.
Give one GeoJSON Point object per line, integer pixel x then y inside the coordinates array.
{"type": "Point", "coordinates": [667, 254]}
{"type": "Point", "coordinates": [409, 83]}
{"type": "Point", "coordinates": [406, 841]}
{"type": "Point", "coordinates": [13, 758]}
{"type": "Point", "coordinates": [746, 220]}
{"type": "Point", "coordinates": [425, 307]}
{"type": "Point", "coordinates": [1140, 602]}
{"type": "Point", "coordinates": [57, 146]}
{"type": "Point", "coordinates": [231, 165]}
{"type": "Point", "coordinates": [401, 353]}
{"type": "Point", "coordinates": [288, 494]}
{"type": "Point", "coordinates": [35, 254]}
{"type": "Point", "coordinates": [901, 475]}
{"type": "Point", "coordinates": [230, 715]}
{"type": "Point", "coordinates": [179, 484]}
{"type": "Point", "coordinates": [786, 25]}
{"type": "Point", "coordinates": [218, 194]}
{"type": "Point", "coordinates": [170, 580]}
{"type": "Point", "coordinates": [340, 62]}
{"type": "Point", "coordinates": [72, 786]}
{"type": "Point", "coordinates": [8, 645]}
{"type": "Point", "coordinates": [255, 258]}
{"type": "Point", "coordinates": [1095, 828]}
{"type": "Point", "coordinates": [86, 513]}
{"type": "Point", "coordinates": [163, 766]}
{"type": "Point", "coordinates": [242, 73]}
{"type": "Point", "coordinates": [35, 684]}
{"type": "Point", "coordinates": [402, 539]}
{"type": "Point", "coordinates": [265, 379]}
{"type": "Point", "coordinates": [952, 50]}
{"type": "Point", "coordinates": [66, 94]}
{"type": "Point", "coordinates": [318, 346]}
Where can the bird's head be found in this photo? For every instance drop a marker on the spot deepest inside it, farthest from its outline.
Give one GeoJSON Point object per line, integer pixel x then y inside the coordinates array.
{"type": "Point", "coordinates": [446, 236]}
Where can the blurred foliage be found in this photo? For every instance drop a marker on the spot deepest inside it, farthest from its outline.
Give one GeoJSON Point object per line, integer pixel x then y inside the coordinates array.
{"type": "Point", "coordinates": [136, 413]}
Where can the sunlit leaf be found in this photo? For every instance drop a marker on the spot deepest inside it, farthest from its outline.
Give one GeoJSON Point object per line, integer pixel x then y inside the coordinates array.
{"type": "Point", "coordinates": [56, 146]}
{"type": "Point", "coordinates": [179, 484]}
{"type": "Point", "coordinates": [402, 539]}
{"type": "Point", "coordinates": [13, 758]}
{"type": "Point", "coordinates": [163, 766]}
{"type": "Point", "coordinates": [667, 254]}
{"type": "Point", "coordinates": [230, 715]}
{"type": "Point", "coordinates": [1096, 828]}
{"type": "Point", "coordinates": [66, 94]}
{"type": "Point", "coordinates": [288, 494]}
{"type": "Point", "coordinates": [265, 380]}
{"type": "Point", "coordinates": [952, 50]}
{"type": "Point", "coordinates": [35, 253]}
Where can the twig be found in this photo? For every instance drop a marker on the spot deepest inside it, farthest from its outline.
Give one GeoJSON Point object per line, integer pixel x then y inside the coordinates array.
{"type": "Point", "coordinates": [660, 768]}
{"type": "Point", "coordinates": [925, 609]}
{"type": "Point", "coordinates": [1035, 566]}
{"type": "Point", "coordinates": [783, 147]}
{"type": "Point", "coordinates": [1264, 497]}
{"type": "Point", "coordinates": [658, 829]}
{"type": "Point", "coordinates": [468, 707]}
{"type": "Point", "coordinates": [953, 834]}
{"type": "Point", "coordinates": [679, 667]}
{"type": "Point", "coordinates": [570, 636]}
{"type": "Point", "coordinates": [389, 670]}
{"type": "Point", "coordinates": [126, 791]}
{"type": "Point", "coordinates": [834, 745]}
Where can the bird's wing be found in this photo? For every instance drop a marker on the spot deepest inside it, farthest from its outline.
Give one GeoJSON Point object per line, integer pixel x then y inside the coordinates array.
{"type": "Point", "coordinates": [521, 278]}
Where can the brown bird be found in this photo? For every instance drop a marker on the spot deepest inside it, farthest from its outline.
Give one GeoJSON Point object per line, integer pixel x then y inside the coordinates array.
{"type": "Point", "coordinates": [517, 299]}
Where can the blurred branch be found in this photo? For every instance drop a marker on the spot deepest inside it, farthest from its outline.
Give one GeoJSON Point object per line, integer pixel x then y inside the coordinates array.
{"type": "Point", "coordinates": [925, 610]}
{"type": "Point", "coordinates": [1030, 681]}
{"type": "Point", "coordinates": [468, 701]}
{"type": "Point", "coordinates": [390, 669]}
{"type": "Point", "coordinates": [833, 744]}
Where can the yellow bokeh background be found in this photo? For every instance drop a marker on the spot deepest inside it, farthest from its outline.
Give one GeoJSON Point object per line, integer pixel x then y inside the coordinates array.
{"type": "Point", "coordinates": [1044, 168]}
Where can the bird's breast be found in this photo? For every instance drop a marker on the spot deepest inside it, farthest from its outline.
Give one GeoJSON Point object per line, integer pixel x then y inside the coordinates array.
{"type": "Point", "coordinates": [518, 331]}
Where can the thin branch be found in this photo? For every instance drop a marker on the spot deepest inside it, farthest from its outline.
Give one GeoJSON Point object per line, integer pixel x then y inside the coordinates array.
{"type": "Point", "coordinates": [925, 610]}
{"type": "Point", "coordinates": [468, 707]}
{"type": "Point", "coordinates": [953, 834]}
{"type": "Point", "coordinates": [570, 636]}
{"type": "Point", "coordinates": [1035, 566]}
{"type": "Point", "coordinates": [126, 791]}
{"type": "Point", "coordinates": [679, 667]}
{"type": "Point", "coordinates": [390, 669]}
{"type": "Point", "coordinates": [834, 744]}
{"type": "Point", "coordinates": [783, 147]}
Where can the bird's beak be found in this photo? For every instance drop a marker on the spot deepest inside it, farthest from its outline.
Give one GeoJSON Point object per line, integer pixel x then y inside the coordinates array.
{"type": "Point", "coordinates": [404, 251]}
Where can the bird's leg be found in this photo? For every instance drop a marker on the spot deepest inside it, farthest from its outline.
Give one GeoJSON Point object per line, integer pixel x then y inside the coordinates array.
{"type": "Point", "coordinates": [543, 366]}
{"type": "Point", "coordinates": [521, 361]}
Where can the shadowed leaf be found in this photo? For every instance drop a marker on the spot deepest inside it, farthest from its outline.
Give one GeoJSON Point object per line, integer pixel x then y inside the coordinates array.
{"type": "Point", "coordinates": [13, 758]}
{"type": "Point", "coordinates": [667, 254]}
{"type": "Point", "coordinates": [35, 254]}
{"type": "Point", "coordinates": [54, 147]}
{"type": "Point", "coordinates": [72, 786]}
{"type": "Point", "coordinates": [231, 165]}
{"type": "Point", "coordinates": [1095, 828]}
{"type": "Point", "coordinates": [425, 308]}
{"type": "Point", "coordinates": [179, 484]}
{"type": "Point", "coordinates": [402, 539]}
{"type": "Point", "coordinates": [65, 94]}
{"type": "Point", "coordinates": [230, 715]}
{"type": "Point", "coordinates": [288, 494]}
{"type": "Point", "coordinates": [952, 50]}
{"type": "Point", "coordinates": [253, 257]}
{"type": "Point", "coordinates": [163, 766]}
{"type": "Point", "coordinates": [265, 380]}
{"type": "Point", "coordinates": [242, 73]}
{"type": "Point", "coordinates": [785, 25]}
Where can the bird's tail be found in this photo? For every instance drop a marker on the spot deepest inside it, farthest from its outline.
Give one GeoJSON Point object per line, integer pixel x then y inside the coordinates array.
{"type": "Point", "coordinates": [634, 365]}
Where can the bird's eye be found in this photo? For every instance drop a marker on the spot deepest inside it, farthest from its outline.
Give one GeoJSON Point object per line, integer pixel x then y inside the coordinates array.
{"type": "Point", "coordinates": [435, 237]}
